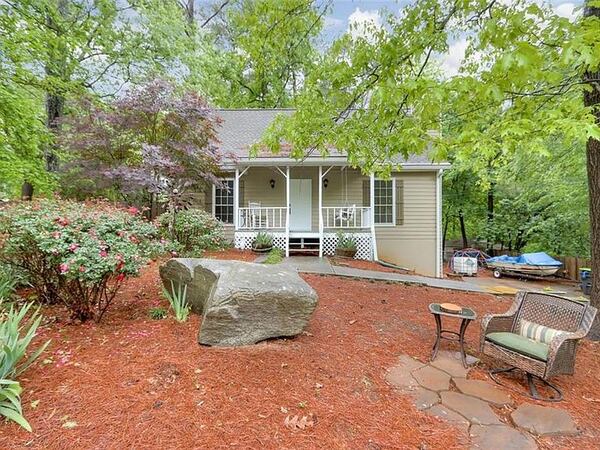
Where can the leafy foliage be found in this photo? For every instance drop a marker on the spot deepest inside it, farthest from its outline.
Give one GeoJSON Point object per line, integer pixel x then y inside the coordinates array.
{"type": "Point", "coordinates": [178, 300]}
{"type": "Point", "coordinates": [262, 241]}
{"type": "Point", "coordinates": [77, 254]}
{"type": "Point", "coordinates": [157, 313]}
{"type": "Point", "coordinates": [195, 230]}
{"type": "Point", "coordinates": [275, 256]}
{"type": "Point", "coordinates": [151, 140]}
{"type": "Point", "coordinates": [346, 241]}
{"type": "Point", "coordinates": [16, 333]}
{"type": "Point", "coordinates": [264, 49]}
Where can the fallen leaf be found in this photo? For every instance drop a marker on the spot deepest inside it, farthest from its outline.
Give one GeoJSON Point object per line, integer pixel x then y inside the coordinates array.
{"type": "Point", "coordinates": [299, 423]}
{"type": "Point", "coordinates": [70, 424]}
{"type": "Point", "coordinates": [35, 403]}
{"type": "Point", "coordinates": [283, 410]}
{"type": "Point", "coordinates": [318, 385]}
{"type": "Point", "coordinates": [352, 321]}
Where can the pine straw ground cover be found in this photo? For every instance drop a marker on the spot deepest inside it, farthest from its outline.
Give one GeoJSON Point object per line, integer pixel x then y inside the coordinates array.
{"type": "Point", "coordinates": [131, 382]}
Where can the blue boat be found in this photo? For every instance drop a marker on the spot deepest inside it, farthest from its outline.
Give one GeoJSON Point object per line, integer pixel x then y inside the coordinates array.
{"type": "Point", "coordinates": [534, 264]}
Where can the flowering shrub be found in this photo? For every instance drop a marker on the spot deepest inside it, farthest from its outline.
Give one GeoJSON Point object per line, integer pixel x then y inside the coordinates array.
{"type": "Point", "coordinates": [75, 253]}
{"type": "Point", "coordinates": [195, 230]}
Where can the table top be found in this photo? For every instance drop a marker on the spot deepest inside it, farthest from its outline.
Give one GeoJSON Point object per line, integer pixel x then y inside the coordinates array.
{"type": "Point", "coordinates": [467, 313]}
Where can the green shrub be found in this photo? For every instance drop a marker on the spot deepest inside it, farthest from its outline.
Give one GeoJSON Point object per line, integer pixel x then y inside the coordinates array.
{"type": "Point", "coordinates": [195, 230]}
{"type": "Point", "coordinates": [275, 256]}
{"type": "Point", "coordinates": [16, 334]}
{"type": "Point", "coordinates": [346, 242]}
{"type": "Point", "coordinates": [262, 241]}
{"type": "Point", "coordinates": [178, 301]}
{"type": "Point", "coordinates": [77, 254]}
{"type": "Point", "coordinates": [157, 313]}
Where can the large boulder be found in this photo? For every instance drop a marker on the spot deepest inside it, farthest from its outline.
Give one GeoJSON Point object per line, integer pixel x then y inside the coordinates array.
{"type": "Point", "coordinates": [242, 303]}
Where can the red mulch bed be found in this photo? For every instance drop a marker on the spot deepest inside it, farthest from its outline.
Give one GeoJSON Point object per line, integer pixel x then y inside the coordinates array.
{"type": "Point", "coordinates": [231, 253]}
{"type": "Point", "coordinates": [131, 382]}
{"type": "Point", "coordinates": [364, 265]}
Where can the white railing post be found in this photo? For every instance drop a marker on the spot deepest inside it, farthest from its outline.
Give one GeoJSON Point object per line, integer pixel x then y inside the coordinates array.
{"type": "Point", "coordinates": [236, 193]}
{"type": "Point", "coordinates": [372, 205]}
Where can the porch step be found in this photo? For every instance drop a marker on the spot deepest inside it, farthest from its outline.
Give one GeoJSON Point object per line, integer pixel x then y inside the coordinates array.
{"type": "Point", "coordinates": [304, 244]}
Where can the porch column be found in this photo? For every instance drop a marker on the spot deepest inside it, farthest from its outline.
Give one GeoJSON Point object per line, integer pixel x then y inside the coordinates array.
{"type": "Point", "coordinates": [320, 211]}
{"type": "Point", "coordinates": [372, 201]}
{"type": "Point", "coordinates": [236, 196]}
{"type": "Point", "coordinates": [287, 202]}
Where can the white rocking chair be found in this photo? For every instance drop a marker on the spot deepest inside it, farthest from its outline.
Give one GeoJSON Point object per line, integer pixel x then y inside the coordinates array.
{"type": "Point", "coordinates": [346, 214]}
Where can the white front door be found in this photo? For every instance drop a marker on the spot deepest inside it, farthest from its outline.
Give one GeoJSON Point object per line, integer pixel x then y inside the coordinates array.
{"type": "Point", "coordinates": [300, 204]}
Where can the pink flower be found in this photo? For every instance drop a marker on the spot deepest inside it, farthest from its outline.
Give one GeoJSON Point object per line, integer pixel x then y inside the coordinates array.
{"type": "Point", "coordinates": [81, 269]}
{"type": "Point", "coordinates": [173, 253]}
{"type": "Point", "coordinates": [133, 210]}
{"type": "Point", "coordinates": [120, 233]}
{"type": "Point", "coordinates": [56, 234]}
{"type": "Point", "coordinates": [73, 247]}
{"type": "Point", "coordinates": [121, 277]}
{"type": "Point", "coordinates": [63, 221]}
{"type": "Point", "coordinates": [103, 253]}
{"type": "Point", "coordinates": [133, 239]}
{"type": "Point", "coordinates": [64, 268]}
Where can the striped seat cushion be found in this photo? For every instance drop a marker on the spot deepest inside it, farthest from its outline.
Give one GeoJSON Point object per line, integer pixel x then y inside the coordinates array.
{"type": "Point", "coordinates": [537, 332]}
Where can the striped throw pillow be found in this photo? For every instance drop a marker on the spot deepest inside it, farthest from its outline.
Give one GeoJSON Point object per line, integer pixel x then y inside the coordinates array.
{"type": "Point", "coordinates": [537, 332]}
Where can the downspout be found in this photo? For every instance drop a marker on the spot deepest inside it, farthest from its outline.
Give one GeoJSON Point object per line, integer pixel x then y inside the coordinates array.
{"type": "Point", "coordinates": [372, 202]}
{"type": "Point", "coordinates": [438, 226]}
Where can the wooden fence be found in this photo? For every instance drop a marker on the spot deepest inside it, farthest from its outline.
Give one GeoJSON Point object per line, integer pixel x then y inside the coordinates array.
{"type": "Point", "coordinates": [571, 266]}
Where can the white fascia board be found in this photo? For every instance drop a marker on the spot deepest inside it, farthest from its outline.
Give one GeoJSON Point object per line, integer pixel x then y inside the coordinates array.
{"type": "Point", "coordinates": [331, 161]}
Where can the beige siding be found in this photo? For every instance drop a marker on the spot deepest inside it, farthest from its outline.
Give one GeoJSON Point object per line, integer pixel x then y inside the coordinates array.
{"type": "Point", "coordinates": [411, 245]}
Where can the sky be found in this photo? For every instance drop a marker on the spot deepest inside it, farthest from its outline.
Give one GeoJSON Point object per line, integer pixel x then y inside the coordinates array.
{"type": "Point", "coordinates": [345, 12]}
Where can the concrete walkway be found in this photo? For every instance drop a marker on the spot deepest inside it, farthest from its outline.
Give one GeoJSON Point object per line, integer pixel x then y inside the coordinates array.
{"type": "Point", "coordinates": [313, 264]}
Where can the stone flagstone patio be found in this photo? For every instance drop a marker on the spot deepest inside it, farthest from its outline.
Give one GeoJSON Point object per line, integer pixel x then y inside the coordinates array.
{"type": "Point", "coordinates": [441, 389]}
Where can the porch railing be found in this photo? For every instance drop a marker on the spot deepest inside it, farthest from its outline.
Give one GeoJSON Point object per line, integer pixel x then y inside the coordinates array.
{"type": "Point", "coordinates": [346, 216]}
{"type": "Point", "coordinates": [256, 218]}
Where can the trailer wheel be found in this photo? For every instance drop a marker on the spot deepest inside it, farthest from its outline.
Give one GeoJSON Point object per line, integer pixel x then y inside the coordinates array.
{"type": "Point", "coordinates": [497, 273]}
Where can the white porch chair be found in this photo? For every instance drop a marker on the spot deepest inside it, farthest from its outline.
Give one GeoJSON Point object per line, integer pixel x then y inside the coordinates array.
{"type": "Point", "coordinates": [254, 211]}
{"type": "Point", "coordinates": [346, 214]}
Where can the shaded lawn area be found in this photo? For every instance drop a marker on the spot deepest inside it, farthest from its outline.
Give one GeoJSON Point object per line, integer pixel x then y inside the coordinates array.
{"type": "Point", "coordinates": [135, 382]}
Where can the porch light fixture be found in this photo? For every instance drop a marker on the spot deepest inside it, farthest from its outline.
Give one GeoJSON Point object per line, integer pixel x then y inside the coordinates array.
{"type": "Point", "coordinates": [325, 182]}
{"type": "Point", "coordinates": [272, 183]}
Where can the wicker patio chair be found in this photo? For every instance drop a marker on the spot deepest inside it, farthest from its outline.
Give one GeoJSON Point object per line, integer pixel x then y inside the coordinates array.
{"type": "Point", "coordinates": [501, 338]}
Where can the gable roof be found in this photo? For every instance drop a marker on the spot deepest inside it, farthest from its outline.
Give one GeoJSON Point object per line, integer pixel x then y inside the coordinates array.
{"type": "Point", "coordinates": [241, 128]}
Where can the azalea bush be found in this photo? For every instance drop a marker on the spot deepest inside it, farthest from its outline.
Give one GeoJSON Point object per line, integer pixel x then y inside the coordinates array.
{"type": "Point", "coordinates": [77, 254]}
{"type": "Point", "coordinates": [195, 230]}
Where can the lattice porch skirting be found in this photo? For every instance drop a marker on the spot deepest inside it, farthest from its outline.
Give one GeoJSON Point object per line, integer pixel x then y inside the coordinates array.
{"type": "Point", "coordinates": [244, 239]}
{"type": "Point", "coordinates": [364, 244]}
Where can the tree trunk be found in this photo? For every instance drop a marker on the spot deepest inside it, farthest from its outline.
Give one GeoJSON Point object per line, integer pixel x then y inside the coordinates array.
{"type": "Point", "coordinates": [591, 99]}
{"type": "Point", "coordinates": [26, 191]}
{"type": "Point", "coordinates": [463, 229]}
{"type": "Point", "coordinates": [55, 70]}
{"type": "Point", "coordinates": [490, 202]}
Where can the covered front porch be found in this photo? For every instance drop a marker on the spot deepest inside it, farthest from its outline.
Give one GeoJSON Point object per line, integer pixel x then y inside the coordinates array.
{"type": "Point", "coordinates": [304, 207]}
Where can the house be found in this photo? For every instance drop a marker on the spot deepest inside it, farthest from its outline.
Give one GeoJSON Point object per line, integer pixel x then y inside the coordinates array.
{"type": "Point", "coordinates": [304, 204]}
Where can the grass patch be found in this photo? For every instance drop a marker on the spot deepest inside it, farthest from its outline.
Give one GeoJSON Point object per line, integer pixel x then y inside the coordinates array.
{"type": "Point", "coordinates": [275, 256]}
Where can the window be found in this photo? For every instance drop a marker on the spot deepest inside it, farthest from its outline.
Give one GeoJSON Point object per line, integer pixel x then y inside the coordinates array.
{"type": "Point", "coordinates": [384, 202]}
{"type": "Point", "coordinates": [223, 201]}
